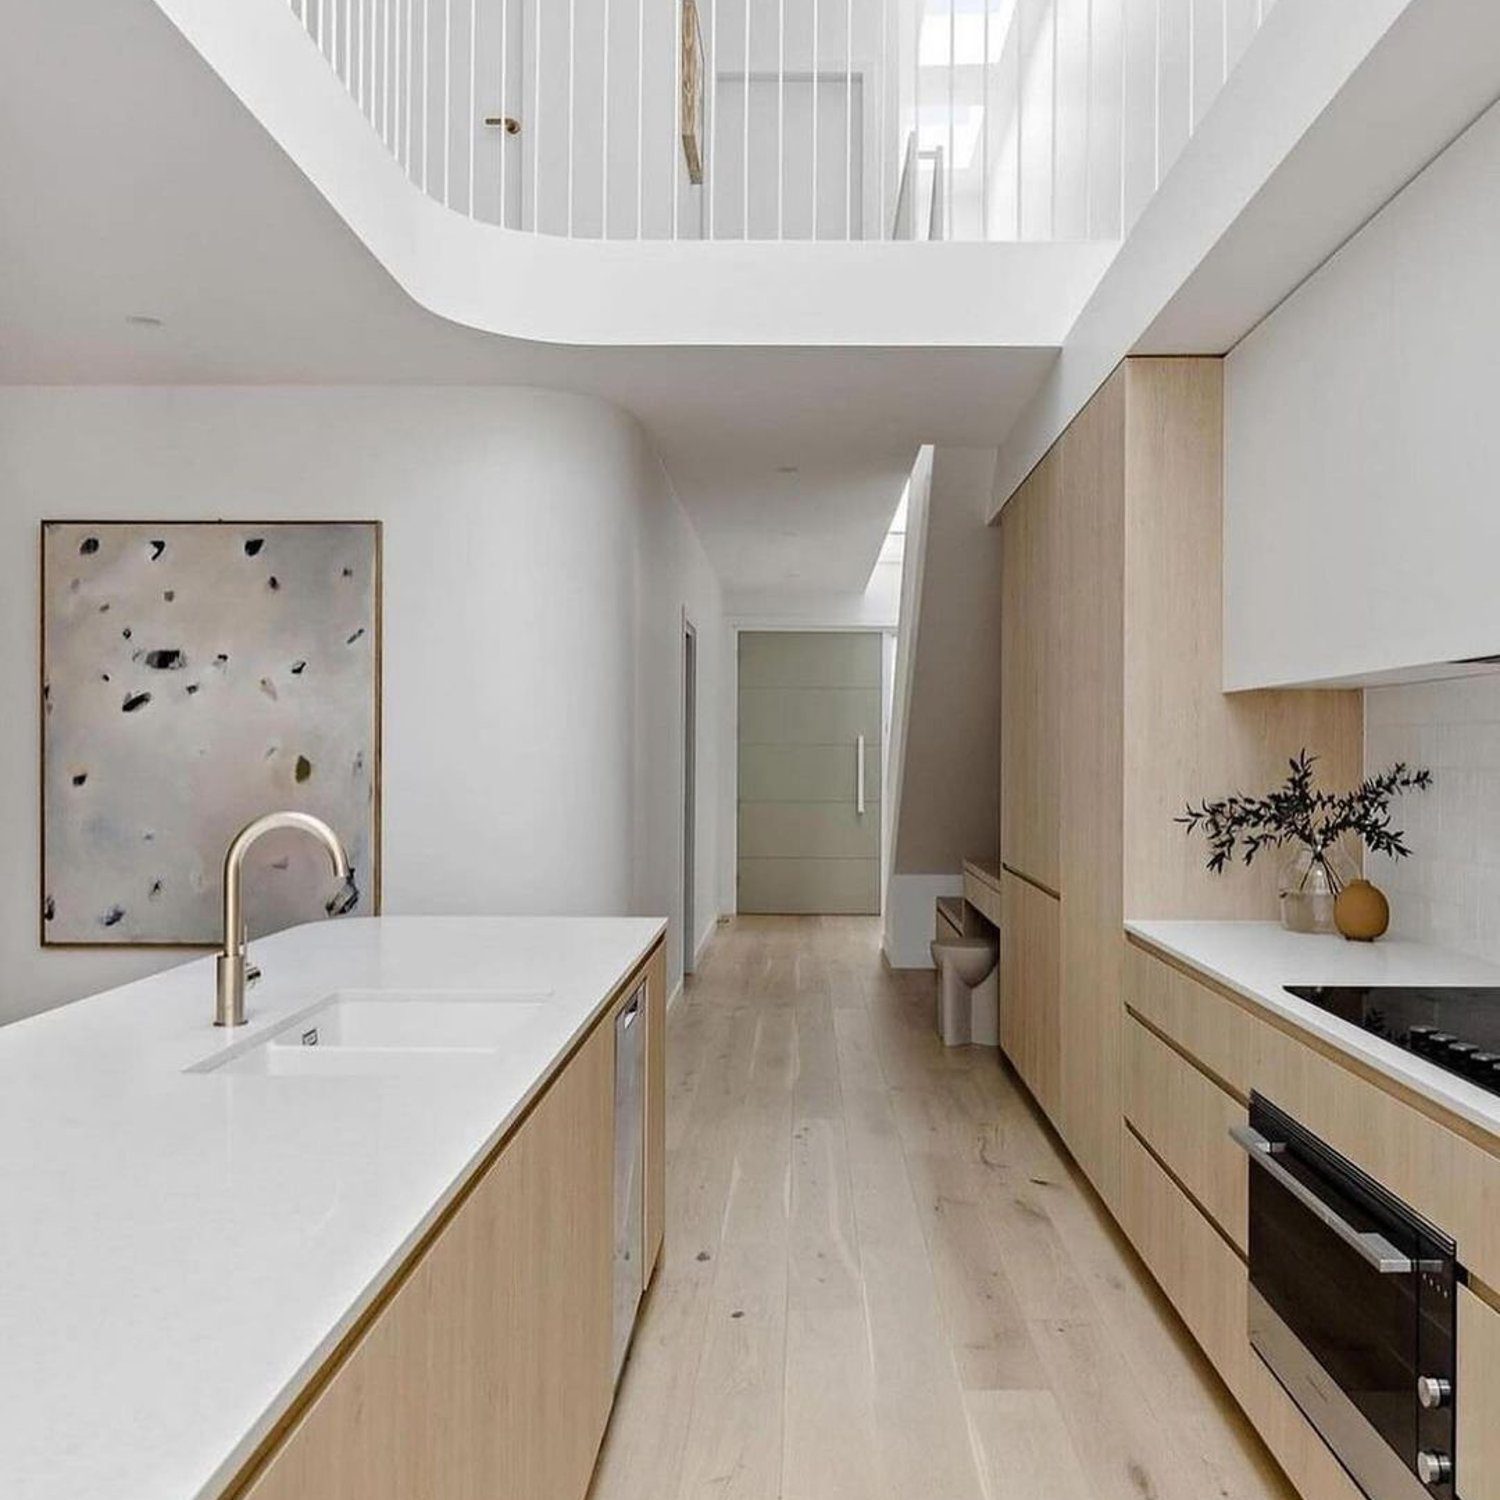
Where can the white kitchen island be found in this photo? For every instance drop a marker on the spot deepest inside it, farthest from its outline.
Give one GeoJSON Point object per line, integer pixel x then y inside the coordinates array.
{"type": "Point", "coordinates": [182, 1251]}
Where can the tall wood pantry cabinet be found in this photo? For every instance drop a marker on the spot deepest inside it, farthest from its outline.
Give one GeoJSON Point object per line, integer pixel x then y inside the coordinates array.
{"type": "Point", "coordinates": [1113, 716]}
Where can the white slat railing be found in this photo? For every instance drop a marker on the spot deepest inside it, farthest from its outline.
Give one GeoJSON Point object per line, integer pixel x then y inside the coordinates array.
{"type": "Point", "coordinates": [816, 119]}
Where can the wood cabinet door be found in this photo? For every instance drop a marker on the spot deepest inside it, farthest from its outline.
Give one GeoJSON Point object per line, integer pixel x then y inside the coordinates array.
{"type": "Point", "coordinates": [1029, 1032]}
{"type": "Point", "coordinates": [656, 1107]}
{"type": "Point", "coordinates": [487, 1371]}
{"type": "Point", "coordinates": [1090, 505]}
{"type": "Point", "coordinates": [1029, 688]}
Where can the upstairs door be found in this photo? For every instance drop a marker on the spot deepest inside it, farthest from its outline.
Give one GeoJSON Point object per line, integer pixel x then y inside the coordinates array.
{"type": "Point", "coordinates": [809, 714]}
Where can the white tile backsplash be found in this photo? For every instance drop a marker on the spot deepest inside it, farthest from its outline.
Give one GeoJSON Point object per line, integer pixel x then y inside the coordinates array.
{"type": "Point", "coordinates": [1448, 892]}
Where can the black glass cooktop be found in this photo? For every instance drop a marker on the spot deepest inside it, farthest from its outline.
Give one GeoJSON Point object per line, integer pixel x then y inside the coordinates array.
{"type": "Point", "coordinates": [1458, 1029]}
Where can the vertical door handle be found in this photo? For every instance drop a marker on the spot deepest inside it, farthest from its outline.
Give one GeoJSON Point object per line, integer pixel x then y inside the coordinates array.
{"type": "Point", "coordinates": [859, 774]}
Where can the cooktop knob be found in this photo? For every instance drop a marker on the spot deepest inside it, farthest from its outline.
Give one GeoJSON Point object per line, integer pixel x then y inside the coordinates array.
{"type": "Point", "coordinates": [1434, 1391]}
{"type": "Point", "coordinates": [1434, 1468]}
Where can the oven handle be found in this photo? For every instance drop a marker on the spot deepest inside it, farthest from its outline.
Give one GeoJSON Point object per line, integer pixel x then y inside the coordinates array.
{"type": "Point", "coordinates": [1381, 1254]}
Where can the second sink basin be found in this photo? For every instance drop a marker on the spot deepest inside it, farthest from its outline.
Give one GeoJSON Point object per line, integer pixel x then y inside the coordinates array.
{"type": "Point", "coordinates": [354, 1032]}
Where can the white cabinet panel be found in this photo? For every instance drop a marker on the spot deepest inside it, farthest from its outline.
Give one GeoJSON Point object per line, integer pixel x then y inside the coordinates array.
{"type": "Point", "coordinates": [1361, 446]}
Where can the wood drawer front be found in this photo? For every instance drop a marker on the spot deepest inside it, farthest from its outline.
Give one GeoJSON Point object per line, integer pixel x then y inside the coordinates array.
{"type": "Point", "coordinates": [1478, 1413]}
{"type": "Point", "coordinates": [1207, 1026]}
{"type": "Point", "coordinates": [1202, 1276]}
{"type": "Point", "coordinates": [1185, 1118]}
{"type": "Point", "coordinates": [982, 896]}
{"type": "Point", "coordinates": [1207, 1283]}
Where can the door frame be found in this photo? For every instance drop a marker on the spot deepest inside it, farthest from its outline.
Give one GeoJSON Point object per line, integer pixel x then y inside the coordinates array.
{"type": "Point", "coordinates": [729, 828]}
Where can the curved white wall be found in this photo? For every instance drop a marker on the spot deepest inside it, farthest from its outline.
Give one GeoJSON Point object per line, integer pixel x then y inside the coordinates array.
{"type": "Point", "coordinates": [536, 567]}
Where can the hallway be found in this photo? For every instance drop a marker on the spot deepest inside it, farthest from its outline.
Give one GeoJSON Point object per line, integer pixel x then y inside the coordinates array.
{"type": "Point", "coordinates": [882, 1280]}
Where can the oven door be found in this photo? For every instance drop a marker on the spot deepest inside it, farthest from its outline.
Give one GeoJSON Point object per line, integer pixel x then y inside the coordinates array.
{"type": "Point", "coordinates": [1351, 1304]}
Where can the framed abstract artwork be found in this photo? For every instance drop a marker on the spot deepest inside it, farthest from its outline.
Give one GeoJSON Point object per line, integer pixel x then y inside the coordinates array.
{"type": "Point", "coordinates": [193, 676]}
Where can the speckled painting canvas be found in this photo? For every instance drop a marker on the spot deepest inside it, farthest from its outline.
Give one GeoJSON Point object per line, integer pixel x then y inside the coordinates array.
{"type": "Point", "coordinates": [194, 676]}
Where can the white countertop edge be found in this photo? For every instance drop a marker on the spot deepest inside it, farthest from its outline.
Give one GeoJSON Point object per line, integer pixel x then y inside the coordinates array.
{"type": "Point", "coordinates": [1257, 959]}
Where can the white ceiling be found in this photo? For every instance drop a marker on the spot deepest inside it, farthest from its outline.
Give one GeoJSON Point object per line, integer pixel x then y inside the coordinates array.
{"type": "Point", "coordinates": [135, 183]}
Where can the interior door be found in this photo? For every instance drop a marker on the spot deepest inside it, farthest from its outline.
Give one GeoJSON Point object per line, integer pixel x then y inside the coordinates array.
{"type": "Point", "coordinates": [808, 840]}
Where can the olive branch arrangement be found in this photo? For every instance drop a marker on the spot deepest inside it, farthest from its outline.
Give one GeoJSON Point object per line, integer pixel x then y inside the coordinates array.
{"type": "Point", "coordinates": [1298, 812]}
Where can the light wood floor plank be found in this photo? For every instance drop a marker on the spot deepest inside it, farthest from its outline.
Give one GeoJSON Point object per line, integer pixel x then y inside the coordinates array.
{"type": "Point", "coordinates": [832, 1449]}
{"type": "Point", "coordinates": [733, 1447]}
{"type": "Point", "coordinates": [1026, 1451]}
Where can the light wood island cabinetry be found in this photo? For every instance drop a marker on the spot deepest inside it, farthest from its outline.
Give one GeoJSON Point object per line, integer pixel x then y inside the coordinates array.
{"type": "Point", "coordinates": [655, 1216]}
{"type": "Point", "coordinates": [484, 1368]}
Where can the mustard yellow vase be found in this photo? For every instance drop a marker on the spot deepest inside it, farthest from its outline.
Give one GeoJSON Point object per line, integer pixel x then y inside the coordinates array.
{"type": "Point", "coordinates": [1361, 912]}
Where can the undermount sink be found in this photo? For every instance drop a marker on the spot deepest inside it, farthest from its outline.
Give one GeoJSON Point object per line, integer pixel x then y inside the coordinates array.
{"type": "Point", "coordinates": [364, 1032]}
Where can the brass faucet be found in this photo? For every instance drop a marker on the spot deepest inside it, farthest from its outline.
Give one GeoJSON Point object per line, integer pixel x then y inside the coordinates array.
{"type": "Point", "coordinates": [233, 968]}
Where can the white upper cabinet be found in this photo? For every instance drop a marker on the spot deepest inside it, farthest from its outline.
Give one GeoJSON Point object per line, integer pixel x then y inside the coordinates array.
{"type": "Point", "coordinates": [1362, 463]}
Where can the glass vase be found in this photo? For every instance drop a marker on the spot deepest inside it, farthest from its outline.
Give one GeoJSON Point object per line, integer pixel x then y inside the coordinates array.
{"type": "Point", "coordinates": [1311, 880]}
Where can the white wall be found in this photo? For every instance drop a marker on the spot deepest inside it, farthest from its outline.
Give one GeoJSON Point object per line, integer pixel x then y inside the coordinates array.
{"type": "Point", "coordinates": [1448, 891]}
{"type": "Point", "coordinates": [945, 784]}
{"type": "Point", "coordinates": [536, 566]}
{"type": "Point", "coordinates": [913, 575]}
{"type": "Point", "coordinates": [1361, 528]}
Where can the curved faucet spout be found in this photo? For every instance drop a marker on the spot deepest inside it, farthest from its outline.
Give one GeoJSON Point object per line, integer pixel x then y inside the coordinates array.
{"type": "Point", "coordinates": [232, 966]}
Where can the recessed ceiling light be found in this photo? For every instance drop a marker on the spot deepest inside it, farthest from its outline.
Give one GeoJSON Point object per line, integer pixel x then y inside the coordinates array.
{"type": "Point", "coordinates": [143, 320]}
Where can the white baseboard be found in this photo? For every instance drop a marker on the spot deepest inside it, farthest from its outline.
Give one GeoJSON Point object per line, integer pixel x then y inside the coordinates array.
{"type": "Point", "coordinates": [709, 934]}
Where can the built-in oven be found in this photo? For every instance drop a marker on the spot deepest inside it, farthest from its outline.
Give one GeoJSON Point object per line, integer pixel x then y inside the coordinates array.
{"type": "Point", "coordinates": [1352, 1308]}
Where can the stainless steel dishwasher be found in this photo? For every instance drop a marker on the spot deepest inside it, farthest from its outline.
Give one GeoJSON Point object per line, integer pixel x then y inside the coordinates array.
{"type": "Point", "coordinates": [630, 1113]}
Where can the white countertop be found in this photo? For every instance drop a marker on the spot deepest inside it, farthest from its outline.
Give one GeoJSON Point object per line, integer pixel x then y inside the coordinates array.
{"type": "Point", "coordinates": [1258, 959]}
{"type": "Point", "coordinates": [180, 1251]}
